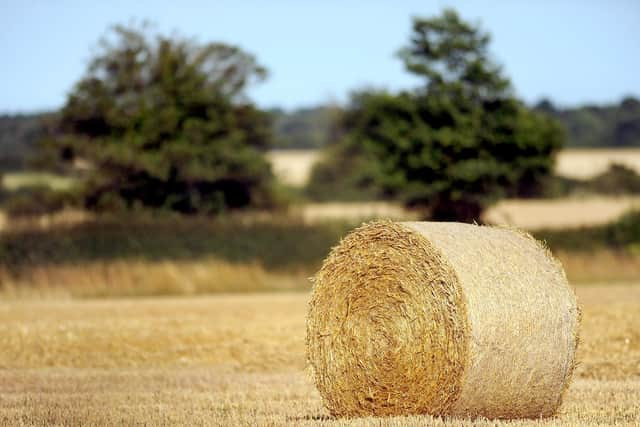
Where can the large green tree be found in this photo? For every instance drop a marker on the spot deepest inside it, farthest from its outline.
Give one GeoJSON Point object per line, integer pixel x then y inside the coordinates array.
{"type": "Point", "coordinates": [164, 122]}
{"type": "Point", "coordinates": [456, 144]}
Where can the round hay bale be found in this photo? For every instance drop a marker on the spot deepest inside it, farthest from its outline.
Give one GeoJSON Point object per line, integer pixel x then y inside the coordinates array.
{"type": "Point", "coordinates": [441, 319]}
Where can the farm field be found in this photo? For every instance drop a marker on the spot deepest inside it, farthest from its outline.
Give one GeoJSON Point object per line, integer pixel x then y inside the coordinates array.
{"type": "Point", "coordinates": [535, 214]}
{"type": "Point", "coordinates": [584, 163]}
{"type": "Point", "coordinates": [294, 166]}
{"type": "Point", "coordinates": [16, 180]}
{"type": "Point", "coordinates": [529, 214]}
{"type": "Point", "coordinates": [239, 360]}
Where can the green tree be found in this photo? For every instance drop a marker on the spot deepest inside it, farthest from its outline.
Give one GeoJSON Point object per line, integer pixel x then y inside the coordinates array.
{"type": "Point", "coordinates": [164, 123]}
{"type": "Point", "coordinates": [457, 143]}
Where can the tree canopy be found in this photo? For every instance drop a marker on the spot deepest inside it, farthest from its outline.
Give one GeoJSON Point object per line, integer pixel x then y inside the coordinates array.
{"type": "Point", "coordinates": [456, 144]}
{"type": "Point", "coordinates": [164, 122]}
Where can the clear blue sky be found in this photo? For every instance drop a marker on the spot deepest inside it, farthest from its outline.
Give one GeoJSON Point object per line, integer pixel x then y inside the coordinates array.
{"type": "Point", "coordinates": [570, 51]}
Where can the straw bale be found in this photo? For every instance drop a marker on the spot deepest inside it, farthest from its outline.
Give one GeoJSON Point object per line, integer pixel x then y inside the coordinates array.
{"type": "Point", "coordinates": [442, 319]}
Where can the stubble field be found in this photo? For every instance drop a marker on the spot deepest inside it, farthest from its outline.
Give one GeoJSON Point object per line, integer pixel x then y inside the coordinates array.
{"type": "Point", "coordinates": [239, 360]}
{"type": "Point", "coordinates": [294, 166]}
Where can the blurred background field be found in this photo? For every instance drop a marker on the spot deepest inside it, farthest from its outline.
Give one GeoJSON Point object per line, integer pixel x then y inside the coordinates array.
{"type": "Point", "coordinates": [294, 166]}
{"type": "Point", "coordinates": [161, 214]}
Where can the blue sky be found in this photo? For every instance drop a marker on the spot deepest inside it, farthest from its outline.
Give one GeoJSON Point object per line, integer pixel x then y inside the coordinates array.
{"type": "Point", "coordinates": [570, 51]}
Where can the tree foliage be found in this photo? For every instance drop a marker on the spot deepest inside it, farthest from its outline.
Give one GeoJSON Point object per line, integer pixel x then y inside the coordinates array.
{"type": "Point", "coordinates": [164, 122]}
{"type": "Point", "coordinates": [456, 144]}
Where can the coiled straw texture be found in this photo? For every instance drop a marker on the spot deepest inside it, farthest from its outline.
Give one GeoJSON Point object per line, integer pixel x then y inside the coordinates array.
{"type": "Point", "coordinates": [442, 319]}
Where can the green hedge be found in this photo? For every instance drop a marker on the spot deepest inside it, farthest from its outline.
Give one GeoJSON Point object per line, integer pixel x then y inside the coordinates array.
{"type": "Point", "coordinates": [623, 234]}
{"type": "Point", "coordinates": [276, 244]}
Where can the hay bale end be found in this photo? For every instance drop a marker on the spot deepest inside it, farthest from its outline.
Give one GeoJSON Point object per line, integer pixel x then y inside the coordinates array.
{"type": "Point", "coordinates": [441, 319]}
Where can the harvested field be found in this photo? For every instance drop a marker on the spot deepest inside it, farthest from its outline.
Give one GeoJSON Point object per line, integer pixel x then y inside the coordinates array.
{"type": "Point", "coordinates": [535, 214]}
{"type": "Point", "coordinates": [239, 360]}
{"type": "Point", "coordinates": [531, 214]}
{"type": "Point", "coordinates": [16, 180]}
{"type": "Point", "coordinates": [353, 211]}
{"type": "Point", "coordinates": [294, 166]}
{"type": "Point", "coordinates": [584, 163]}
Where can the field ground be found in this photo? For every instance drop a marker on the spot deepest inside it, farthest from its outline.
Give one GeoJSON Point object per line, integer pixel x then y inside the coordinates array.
{"type": "Point", "coordinates": [535, 214]}
{"type": "Point", "coordinates": [294, 166]}
{"type": "Point", "coordinates": [528, 214]}
{"type": "Point", "coordinates": [583, 163]}
{"type": "Point", "coordinates": [239, 360]}
{"type": "Point", "coordinates": [16, 180]}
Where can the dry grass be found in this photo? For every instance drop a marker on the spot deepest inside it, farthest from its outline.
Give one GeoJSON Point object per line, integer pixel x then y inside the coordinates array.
{"type": "Point", "coordinates": [558, 214]}
{"type": "Point", "coordinates": [353, 211]}
{"type": "Point", "coordinates": [584, 163]}
{"type": "Point", "coordinates": [145, 278]}
{"type": "Point", "coordinates": [239, 360]}
{"type": "Point", "coordinates": [602, 266]}
{"type": "Point", "coordinates": [206, 397]}
{"type": "Point", "coordinates": [294, 166]}
{"type": "Point", "coordinates": [531, 214]}
{"type": "Point", "coordinates": [118, 278]}
{"type": "Point", "coordinates": [16, 180]}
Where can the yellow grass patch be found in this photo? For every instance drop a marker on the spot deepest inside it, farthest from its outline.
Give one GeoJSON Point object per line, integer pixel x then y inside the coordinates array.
{"type": "Point", "coordinates": [584, 163]}
{"type": "Point", "coordinates": [535, 214]}
{"type": "Point", "coordinates": [601, 266]}
{"type": "Point", "coordinates": [138, 278]}
{"type": "Point", "coordinates": [294, 166]}
{"type": "Point", "coordinates": [16, 180]}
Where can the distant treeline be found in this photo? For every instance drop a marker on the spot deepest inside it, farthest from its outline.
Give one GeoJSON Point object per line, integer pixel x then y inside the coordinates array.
{"type": "Point", "coordinates": [304, 128]}
{"type": "Point", "coordinates": [612, 126]}
{"type": "Point", "coordinates": [19, 135]}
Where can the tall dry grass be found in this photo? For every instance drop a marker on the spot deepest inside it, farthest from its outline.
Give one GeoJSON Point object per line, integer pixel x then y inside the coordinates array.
{"type": "Point", "coordinates": [144, 278]}
{"type": "Point", "coordinates": [294, 166]}
{"type": "Point", "coordinates": [600, 266]}
{"type": "Point", "coordinates": [137, 277]}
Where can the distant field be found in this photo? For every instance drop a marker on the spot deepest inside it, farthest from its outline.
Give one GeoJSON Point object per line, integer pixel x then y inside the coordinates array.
{"type": "Point", "coordinates": [294, 166]}
{"type": "Point", "coordinates": [536, 214]}
{"type": "Point", "coordinates": [530, 214]}
{"type": "Point", "coordinates": [585, 163]}
{"type": "Point", "coordinates": [239, 360]}
{"type": "Point", "coordinates": [16, 180]}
